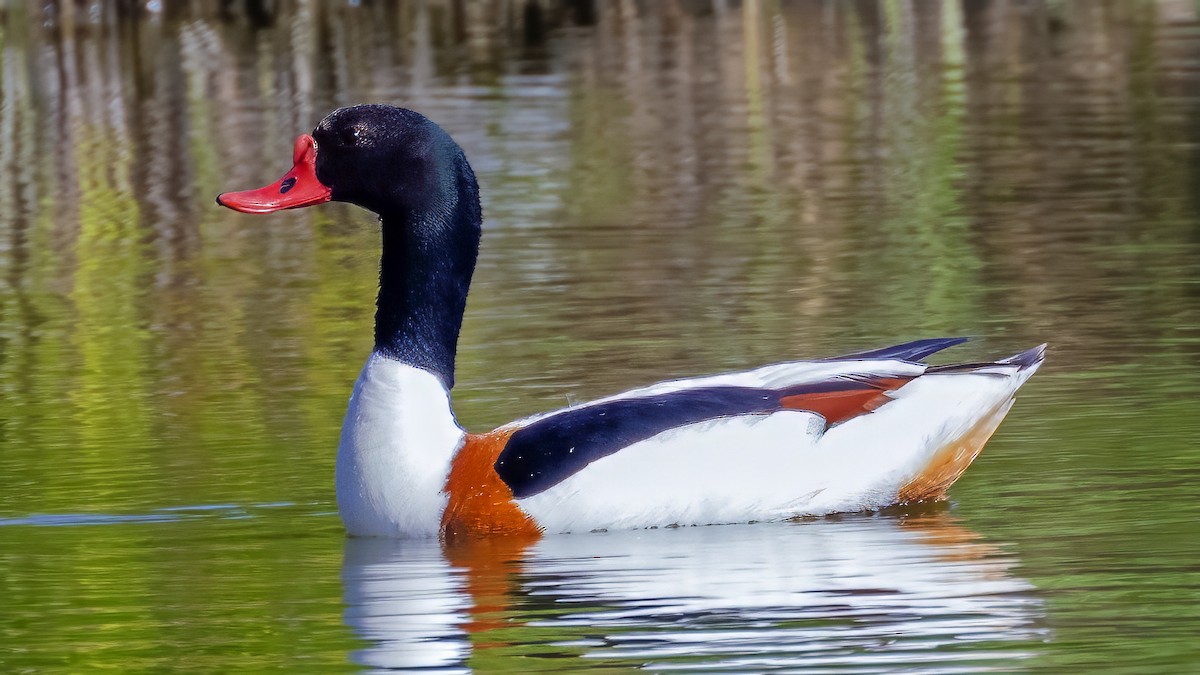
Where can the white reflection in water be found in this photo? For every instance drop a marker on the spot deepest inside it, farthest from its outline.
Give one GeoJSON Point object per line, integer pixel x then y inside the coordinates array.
{"type": "Point", "coordinates": [867, 593]}
{"type": "Point", "coordinates": [406, 600]}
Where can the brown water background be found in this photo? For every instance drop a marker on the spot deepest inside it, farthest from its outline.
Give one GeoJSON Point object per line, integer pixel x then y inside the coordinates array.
{"type": "Point", "coordinates": [670, 188]}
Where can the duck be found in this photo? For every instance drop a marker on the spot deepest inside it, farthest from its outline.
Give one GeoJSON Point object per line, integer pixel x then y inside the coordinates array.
{"type": "Point", "coordinates": [858, 432]}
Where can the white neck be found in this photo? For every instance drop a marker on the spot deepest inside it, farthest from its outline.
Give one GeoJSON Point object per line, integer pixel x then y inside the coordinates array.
{"type": "Point", "coordinates": [397, 442]}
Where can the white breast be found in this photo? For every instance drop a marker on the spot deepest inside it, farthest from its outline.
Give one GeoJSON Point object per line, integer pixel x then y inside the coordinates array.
{"type": "Point", "coordinates": [397, 441]}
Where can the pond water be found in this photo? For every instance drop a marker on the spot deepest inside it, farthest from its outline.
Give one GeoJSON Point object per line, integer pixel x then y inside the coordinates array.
{"type": "Point", "coordinates": [671, 188]}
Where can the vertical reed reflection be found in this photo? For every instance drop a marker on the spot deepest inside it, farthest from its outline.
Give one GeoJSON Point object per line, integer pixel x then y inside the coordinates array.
{"type": "Point", "coordinates": [671, 188]}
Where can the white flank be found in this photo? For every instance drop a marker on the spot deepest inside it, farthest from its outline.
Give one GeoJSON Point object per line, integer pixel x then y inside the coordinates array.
{"type": "Point", "coordinates": [397, 442]}
{"type": "Point", "coordinates": [769, 467]}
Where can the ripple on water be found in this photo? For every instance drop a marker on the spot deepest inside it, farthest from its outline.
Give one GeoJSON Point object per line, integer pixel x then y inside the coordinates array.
{"type": "Point", "coordinates": [170, 514]}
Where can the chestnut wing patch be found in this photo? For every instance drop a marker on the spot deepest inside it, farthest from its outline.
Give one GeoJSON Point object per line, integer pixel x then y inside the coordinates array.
{"type": "Point", "coordinates": [548, 451]}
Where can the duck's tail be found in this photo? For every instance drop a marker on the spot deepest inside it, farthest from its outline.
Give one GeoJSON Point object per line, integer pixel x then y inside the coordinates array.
{"type": "Point", "coordinates": [1030, 359]}
{"type": "Point", "coordinates": [1027, 363]}
{"type": "Point", "coordinates": [948, 463]}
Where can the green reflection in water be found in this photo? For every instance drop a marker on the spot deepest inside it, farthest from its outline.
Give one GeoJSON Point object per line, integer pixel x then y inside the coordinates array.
{"type": "Point", "coordinates": [670, 190]}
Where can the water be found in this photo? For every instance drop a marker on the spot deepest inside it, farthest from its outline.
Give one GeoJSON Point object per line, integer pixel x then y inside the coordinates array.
{"type": "Point", "coordinates": [670, 189]}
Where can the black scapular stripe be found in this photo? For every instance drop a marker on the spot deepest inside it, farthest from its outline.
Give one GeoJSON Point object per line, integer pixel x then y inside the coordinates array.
{"type": "Point", "coordinates": [550, 450]}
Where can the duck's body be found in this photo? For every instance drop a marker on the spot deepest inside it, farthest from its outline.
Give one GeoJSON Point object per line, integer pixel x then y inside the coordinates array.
{"type": "Point", "coordinates": [756, 445]}
{"type": "Point", "coordinates": [802, 438]}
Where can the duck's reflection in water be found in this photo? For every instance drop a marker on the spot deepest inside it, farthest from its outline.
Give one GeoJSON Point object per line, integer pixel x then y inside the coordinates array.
{"type": "Point", "coordinates": [868, 593]}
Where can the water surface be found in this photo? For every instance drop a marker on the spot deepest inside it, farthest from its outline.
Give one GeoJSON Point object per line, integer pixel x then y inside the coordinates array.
{"type": "Point", "coordinates": [671, 188]}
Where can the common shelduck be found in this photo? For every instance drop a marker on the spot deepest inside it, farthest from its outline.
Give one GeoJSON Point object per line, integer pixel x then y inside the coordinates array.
{"type": "Point", "coordinates": [851, 433]}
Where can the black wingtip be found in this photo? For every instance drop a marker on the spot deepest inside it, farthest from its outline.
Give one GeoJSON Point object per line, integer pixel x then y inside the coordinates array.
{"type": "Point", "coordinates": [909, 351]}
{"type": "Point", "coordinates": [1028, 358]}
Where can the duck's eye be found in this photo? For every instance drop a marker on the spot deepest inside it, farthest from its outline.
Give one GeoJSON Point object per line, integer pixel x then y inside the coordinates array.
{"type": "Point", "coordinates": [350, 136]}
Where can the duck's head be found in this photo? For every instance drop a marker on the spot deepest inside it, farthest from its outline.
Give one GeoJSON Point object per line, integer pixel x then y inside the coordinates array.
{"type": "Point", "coordinates": [389, 160]}
{"type": "Point", "coordinates": [405, 168]}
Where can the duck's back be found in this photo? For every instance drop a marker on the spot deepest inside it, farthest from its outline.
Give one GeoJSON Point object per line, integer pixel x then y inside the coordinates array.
{"type": "Point", "coordinates": [804, 438]}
